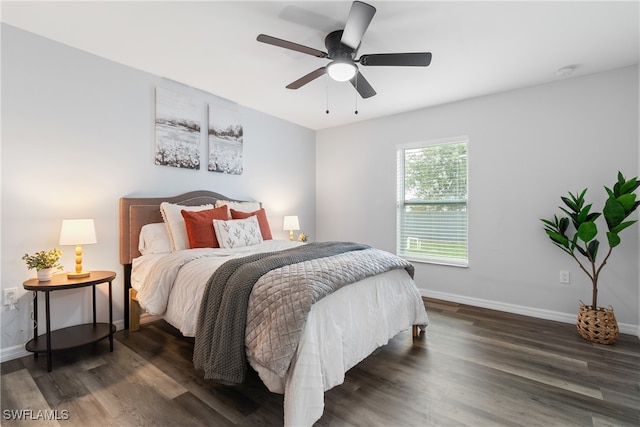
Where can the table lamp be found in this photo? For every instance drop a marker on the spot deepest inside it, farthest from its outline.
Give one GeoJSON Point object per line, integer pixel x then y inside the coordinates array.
{"type": "Point", "coordinates": [291, 223]}
{"type": "Point", "coordinates": [78, 232]}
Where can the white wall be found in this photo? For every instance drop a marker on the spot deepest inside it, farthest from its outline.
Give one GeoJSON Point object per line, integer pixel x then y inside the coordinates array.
{"type": "Point", "coordinates": [77, 134]}
{"type": "Point", "coordinates": [526, 148]}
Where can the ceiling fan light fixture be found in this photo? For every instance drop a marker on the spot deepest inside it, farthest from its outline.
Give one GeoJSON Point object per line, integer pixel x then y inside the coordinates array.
{"type": "Point", "coordinates": [341, 71]}
{"type": "Point", "coordinates": [342, 48]}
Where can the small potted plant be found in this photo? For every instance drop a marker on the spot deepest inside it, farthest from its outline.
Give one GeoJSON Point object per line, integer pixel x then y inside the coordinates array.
{"type": "Point", "coordinates": [595, 323]}
{"type": "Point", "coordinates": [45, 262]}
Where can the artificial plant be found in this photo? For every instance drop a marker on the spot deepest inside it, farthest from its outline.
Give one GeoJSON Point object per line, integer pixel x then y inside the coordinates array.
{"type": "Point", "coordinates": [582, 240]}
{"type": "Point", "coordinates": [43, 259]}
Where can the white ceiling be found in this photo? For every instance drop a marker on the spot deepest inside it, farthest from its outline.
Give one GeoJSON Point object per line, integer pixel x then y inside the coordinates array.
{"type": "Point", "coordinates": [478, 47]}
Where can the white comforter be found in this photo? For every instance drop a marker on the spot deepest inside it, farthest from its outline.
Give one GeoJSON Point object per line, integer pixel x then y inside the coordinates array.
{"type": "Point", "coordinates": [349, 323]}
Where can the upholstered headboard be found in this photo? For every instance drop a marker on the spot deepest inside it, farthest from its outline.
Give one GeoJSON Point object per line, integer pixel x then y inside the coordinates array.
{"type": "Point", "coordinates": [138, 211]}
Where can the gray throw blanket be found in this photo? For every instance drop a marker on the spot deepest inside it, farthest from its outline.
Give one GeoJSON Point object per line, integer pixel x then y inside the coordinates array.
{"type": "Point", "coordinates": [220, 331]}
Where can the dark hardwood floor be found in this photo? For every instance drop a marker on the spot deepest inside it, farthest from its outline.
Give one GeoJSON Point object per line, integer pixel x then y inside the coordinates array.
{"type": "Point", "coordinates": [473, 367]}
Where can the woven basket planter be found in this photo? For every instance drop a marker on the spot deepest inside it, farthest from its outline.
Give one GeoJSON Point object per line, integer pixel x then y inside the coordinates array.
{"type": "Point", "coordinates": [597, 325]}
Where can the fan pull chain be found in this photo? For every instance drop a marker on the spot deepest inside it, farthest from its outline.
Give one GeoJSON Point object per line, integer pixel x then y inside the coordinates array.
{"type": "Point", "coordinates": [356, 94]}
{"type": "Point", "coordinates": [327, 82]}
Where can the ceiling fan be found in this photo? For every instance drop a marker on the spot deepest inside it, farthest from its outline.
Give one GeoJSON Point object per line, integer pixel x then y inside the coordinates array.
{"type": "Point", "coordinates": [342, 47]}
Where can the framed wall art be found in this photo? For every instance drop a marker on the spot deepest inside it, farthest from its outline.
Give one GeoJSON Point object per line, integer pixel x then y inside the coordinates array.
{"type": "Point", "coordinates": [177, 130]}
{"type": "Point", "coordinates": [225, 138]}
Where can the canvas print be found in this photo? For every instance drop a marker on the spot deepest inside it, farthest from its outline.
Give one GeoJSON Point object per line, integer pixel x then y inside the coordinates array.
{"type": "Point", "coordinates": [177, 130]}
{"type": "Point", "coordinates": [225, 141]}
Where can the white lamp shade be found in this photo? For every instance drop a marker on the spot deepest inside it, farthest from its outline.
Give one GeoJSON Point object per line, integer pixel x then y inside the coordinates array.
{"type": "Point", "coordinates": [291, 223]}
{"type": "Point", "coordinates": [341, 71]}
{"type": "Point", "coordinates": [77, 232]}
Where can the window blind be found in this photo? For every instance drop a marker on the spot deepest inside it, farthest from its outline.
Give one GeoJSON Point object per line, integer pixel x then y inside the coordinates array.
{"type": "Point", "coordinates": [432, 202]}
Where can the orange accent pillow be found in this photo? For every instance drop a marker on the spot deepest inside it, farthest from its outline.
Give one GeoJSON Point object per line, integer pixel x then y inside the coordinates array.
{"type": "Point", "coordinates": [263, 222]}
{"type": "Point", "coordinates": [200, 226]}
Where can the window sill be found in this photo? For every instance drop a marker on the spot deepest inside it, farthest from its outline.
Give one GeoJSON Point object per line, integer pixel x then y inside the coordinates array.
{"type": "Point", "coordinates": [450, 263]}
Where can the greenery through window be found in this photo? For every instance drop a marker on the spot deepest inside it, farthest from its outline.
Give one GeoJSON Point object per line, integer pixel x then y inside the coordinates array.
{"type": "Point", "coordinates": [432, 202]}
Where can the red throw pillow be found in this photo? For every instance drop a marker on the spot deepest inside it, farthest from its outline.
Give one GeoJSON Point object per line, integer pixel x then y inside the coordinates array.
{"type": "Point", "coordinates": [263, 222]}
{"type": "Point", "coordinates": [200, 226]}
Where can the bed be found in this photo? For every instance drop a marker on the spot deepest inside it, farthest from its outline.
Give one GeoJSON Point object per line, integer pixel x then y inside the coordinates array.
{"type": "Point", "coordinates": [337, 331]}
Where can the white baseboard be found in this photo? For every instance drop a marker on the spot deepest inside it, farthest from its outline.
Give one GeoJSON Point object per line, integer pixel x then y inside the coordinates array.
{"type": "Point", "coordinates": [15, 352]}
{"type": "Point", "coordinates": [625, 328]}
{"type": "Point", "coordinates": [18, 351]}
{"type": "Point", "coordinates": [119, 324]}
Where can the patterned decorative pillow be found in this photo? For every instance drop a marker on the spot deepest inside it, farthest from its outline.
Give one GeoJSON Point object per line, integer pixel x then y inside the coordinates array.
{"type": "Point", "coordinates": [261, 214]}
{"type": "Point", "coordinates": [236, 233]}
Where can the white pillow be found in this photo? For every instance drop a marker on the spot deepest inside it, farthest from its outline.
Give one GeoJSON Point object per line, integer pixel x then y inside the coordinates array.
{"type": "Point", "coordinates": [237, 233]}
{"type": "Point", "coordinates": [173, 219]}
{"type": "Point", "coordinates": [154, 239]}
{"type": "Point", "coordinates": [239, 206]}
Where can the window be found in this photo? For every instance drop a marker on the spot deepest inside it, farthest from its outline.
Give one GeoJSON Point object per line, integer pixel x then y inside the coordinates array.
{"type": "Point", "coordinates": [432, 202]}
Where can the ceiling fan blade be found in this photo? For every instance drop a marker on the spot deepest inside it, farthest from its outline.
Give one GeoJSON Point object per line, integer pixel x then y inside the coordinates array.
{"type": "Point", "coordinates": [360, 17]}
{"type": "Point", "coordinates": [307, 78]}
{"type": "Point", "coordinates": [419, 59]}
{"type": "Point", "coordinates": [362, 86]}
{"type": "Point", "coordinates": [290, 45]}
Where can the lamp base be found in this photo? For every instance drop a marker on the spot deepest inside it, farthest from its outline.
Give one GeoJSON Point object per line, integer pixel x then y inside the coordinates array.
{"type": "Point", "coordinates": [78, 275]}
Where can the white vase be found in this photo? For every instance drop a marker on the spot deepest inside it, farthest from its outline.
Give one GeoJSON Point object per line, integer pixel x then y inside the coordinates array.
{"type": "Point", "coordinates": [45, 274]}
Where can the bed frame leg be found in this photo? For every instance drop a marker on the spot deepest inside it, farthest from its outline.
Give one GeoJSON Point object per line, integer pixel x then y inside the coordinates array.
{"type": "Point", "coordinates": [415, 331]}
{"type": "Point", "coordinates": [134, 311]}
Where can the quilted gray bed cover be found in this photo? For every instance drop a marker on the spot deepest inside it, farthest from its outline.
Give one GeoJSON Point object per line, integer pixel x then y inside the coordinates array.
{"type": "Point", "coordinates": [298, 278]}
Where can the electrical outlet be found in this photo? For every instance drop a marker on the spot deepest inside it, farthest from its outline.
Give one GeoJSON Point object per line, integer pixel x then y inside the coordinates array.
{"type": "Point", "coordinates": [10, 296]}
{"type": "Point", "coordinates": [564, 277]}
